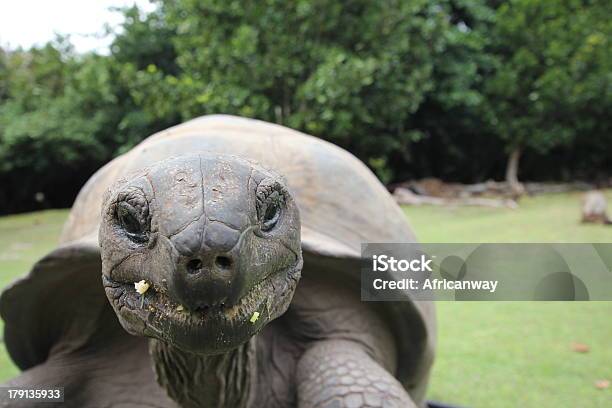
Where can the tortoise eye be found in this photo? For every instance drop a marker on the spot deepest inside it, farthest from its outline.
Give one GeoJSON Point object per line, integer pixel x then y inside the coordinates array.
{"type": "Point", "coordinates": [132, 221]}
{"type": "Point", "coordinates": [270, 201]}
{"type": "Point", "coordinates": [271, 216]}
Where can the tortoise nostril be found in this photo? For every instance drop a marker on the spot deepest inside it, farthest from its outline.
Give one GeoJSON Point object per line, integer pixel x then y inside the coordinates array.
{"type": "Point", "coordinates": [223, 262]}
{"type": "Point", "coordinates": [194, 266]}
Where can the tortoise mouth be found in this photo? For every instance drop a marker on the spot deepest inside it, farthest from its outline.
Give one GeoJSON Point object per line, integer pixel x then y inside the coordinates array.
{"type": "Point", "coordinates": [210, 329]}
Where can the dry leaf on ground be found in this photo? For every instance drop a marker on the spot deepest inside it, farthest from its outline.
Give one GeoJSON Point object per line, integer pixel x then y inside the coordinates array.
{"type": "Point", "coordinates": [580, 348]}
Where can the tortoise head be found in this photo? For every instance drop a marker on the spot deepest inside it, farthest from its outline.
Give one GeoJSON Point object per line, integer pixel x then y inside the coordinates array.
{"type": "Point", "coordinates": [216, 240]}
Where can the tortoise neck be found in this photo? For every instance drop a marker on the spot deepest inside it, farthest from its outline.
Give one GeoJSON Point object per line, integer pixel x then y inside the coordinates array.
{"type": "Point", "coordinates": [195, 381]}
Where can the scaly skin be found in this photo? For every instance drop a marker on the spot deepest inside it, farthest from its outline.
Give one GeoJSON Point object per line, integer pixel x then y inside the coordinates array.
{"type": "Point", "coordinates": [340, 374]}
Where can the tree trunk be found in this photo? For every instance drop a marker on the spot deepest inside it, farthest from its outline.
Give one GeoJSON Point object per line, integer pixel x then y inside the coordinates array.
{"type": "Point", "coordinates": [515, 185]}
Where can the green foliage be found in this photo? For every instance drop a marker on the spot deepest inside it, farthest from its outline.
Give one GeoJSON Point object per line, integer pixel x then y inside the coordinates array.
{"type": "Point", "coordinates": [62, 116]}
{"type": "Point", "coordinates": [553, 65]}
{"type": "Point", "coordinates": [352, 73]}
{"type": "Point", "coordinates": [413, 88]}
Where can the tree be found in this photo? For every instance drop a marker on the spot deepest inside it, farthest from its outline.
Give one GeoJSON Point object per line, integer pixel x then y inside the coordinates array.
{"type": "Point", "coordinates": [457, 89]}
{"type": "Point", "coordinates": [552, 64]}
{"type": "Point", "coordinates": [353, 73]}
{"type": "Point", "coordinates": [55, 123]}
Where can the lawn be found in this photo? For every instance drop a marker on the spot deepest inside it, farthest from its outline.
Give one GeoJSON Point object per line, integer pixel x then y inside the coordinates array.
{"type": "Point", "coordinates": [518, 354]}
{"type": "Point", "coordinates": [23, 239]}
{"type": "Point", "coordinates": [490, 354]}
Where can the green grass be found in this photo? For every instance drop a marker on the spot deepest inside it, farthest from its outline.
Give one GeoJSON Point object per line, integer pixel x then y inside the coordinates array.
{"type": "Point", "coordinates": [518, 354]}
{"type": "Point", "coordinates": [549, 218]}
{"type": "Point", "coordinates": [490, 354]}
{"type": "Point", "coordinates": [23, 239]}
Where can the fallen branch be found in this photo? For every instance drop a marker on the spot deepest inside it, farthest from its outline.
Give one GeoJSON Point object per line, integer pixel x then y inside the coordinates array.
{"type": "Point", "coordinates": [406, 197]}
{"type": "Point", "coordinates": [433, 187]}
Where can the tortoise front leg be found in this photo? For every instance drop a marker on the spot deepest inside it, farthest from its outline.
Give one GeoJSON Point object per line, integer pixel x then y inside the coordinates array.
{"type": "Point", "coordinates": [340, 374]}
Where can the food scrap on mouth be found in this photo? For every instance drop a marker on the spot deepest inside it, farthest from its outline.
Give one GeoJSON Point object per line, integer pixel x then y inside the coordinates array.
{"type": "Point", "coordinates": [254, 317]}
{"type": "Point", "coordinates": [141, 287]}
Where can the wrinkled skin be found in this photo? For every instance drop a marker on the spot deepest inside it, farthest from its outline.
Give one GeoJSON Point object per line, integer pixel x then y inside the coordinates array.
{"type": "Point", "coordinates": [217, 239]}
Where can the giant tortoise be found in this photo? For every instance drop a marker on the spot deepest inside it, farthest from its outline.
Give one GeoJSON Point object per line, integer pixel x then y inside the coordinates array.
{"type": "Point", "coordinates": [198, 237]}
